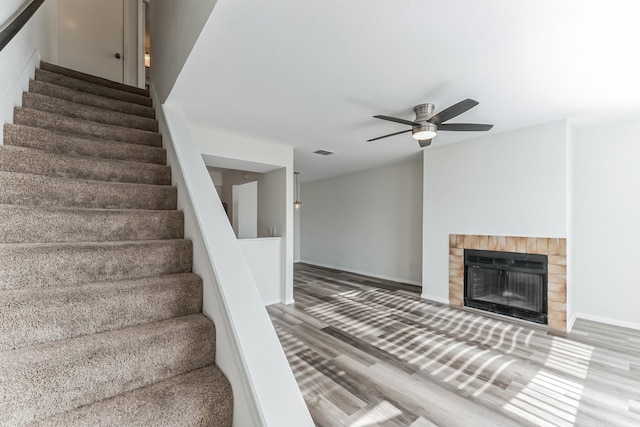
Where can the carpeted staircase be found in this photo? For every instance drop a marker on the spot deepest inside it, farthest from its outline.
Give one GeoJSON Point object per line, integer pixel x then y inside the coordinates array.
{"type": "Point", "coordinates": [100, 315]}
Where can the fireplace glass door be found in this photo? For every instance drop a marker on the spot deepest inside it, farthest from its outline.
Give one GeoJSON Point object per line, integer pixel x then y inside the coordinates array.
{"type": "Point", "coordinates": [507, 283]}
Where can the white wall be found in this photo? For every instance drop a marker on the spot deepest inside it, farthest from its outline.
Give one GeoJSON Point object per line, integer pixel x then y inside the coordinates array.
{"type": "Point", "coordinates": [605, 227]}
{"type": "Point", "coordinates": [272, 203]}
{"type": "Point", "coordinates": [175, 27]}
{"type": "Point", "coordinates": [18, 60]}
{"type": "Point", "coordinates": [245, 210]}
{"type": "Point", "coordinates": [272, 222]}
{"type": "Point", "coordinates": [507, 184]}
{"type": "Point", "coordinates": [264, 259]}
{"type": "Point", "coordinates": [373, 218]}
{"type": "Point", "coordinates": [229, 179]}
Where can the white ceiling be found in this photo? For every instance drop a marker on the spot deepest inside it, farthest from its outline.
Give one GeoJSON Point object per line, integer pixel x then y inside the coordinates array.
{"type": "Point", "coordinates": [311, 74]}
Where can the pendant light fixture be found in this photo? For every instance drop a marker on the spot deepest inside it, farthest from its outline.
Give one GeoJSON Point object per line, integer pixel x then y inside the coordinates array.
{"type": "Point", "coordinates": [297, 203]}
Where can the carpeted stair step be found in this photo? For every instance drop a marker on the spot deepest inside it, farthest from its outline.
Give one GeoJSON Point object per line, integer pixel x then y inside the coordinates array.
{"type": "Point", "coordinates": [39, 162]}
{"type": "Point", "coordinates": [86, 128]}
{"type": "Point", "coordinates": [35, 316]}
{"type": "Point", "coordinates": [36, 190]}
{"type": "Point", "coordinates": [38, 265]}
{"type": "Point", "coordinates": [28, 224]}
{"type": "Point", "coordinates": [92, 79]}
{"type": "Point", "coordinates": [199, 398]}
{"type": "Point", "coordinates": [61, 92]}
{"type": "Point", "coordinates": [92, 88]}
{"type": "Point", "coordinates": [43, 139]}
{"type": "Point", "coordinates": [100, 315]}
{"type": "Point", "coordinates": [48, 379]}
{"type": "Point", "coordinates": [41, 102]}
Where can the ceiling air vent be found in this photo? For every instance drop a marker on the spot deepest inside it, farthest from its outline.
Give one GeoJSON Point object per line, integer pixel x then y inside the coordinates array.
{"type": "Point", "coordinates": [323, 152]}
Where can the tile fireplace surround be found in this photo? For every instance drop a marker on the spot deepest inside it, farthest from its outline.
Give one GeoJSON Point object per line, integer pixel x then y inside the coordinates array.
{"type": "Point", "coordinates": [554, 248]}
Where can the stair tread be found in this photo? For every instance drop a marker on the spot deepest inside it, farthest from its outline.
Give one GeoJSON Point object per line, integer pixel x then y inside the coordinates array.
{"type": "Point", "coordinates": [54, 68]}
{"type": "Point", "coordinates": [36, 190]}
{"type": "Point", "coordinates": [58, 376]}
{"type": "Point", "coordinates": [82, 127]}
{"type": "Point", "coordinates": [73, 263]}
{"type": "Point", "coordinates": [70, 108]}
{"type": "Point", "coordinates": [29, 224]}
{"type": "Point", "coordinates": [93, 88]}
{"type": "Point", "coordinates": [66, 143]}
{"type": "Point", "coordinates": [43, 162]}
{"type": "Point", "coordinates": [85, 98]}
{"type": "Point", "coordinates": [33, 316]}
{"type": "Point", "coordinates": [201, 397]}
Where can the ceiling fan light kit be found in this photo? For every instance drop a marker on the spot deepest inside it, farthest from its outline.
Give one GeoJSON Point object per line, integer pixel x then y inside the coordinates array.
{"type": "Point", "coordinates": [426, 124]}
{"type": "Point", "coordinates": [425, 131]}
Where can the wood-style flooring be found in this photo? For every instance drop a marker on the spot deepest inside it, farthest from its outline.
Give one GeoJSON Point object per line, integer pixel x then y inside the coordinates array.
{"type": "Point", "coordinates": [369, 352]}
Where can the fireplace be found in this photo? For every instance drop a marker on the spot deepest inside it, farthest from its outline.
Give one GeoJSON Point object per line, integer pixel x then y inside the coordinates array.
{"type": "Point", "coordinates": [555, 248]}
{"type": "Point", "coordinates": [508, 283]}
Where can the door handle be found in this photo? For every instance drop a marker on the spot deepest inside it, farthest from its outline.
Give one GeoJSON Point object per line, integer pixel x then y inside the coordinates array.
{"type": "Point", "coordinates": [118, 56]}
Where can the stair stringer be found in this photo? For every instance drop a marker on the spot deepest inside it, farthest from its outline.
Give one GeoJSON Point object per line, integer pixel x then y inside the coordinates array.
{"type": "Point", "coordinates": [248, 349]}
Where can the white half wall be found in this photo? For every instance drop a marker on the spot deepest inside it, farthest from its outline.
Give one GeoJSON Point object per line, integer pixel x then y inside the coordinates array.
{"type": "Point", "coordinates": [507, 184]}
{"type": "Point", "coordinates": [605, 227]}
{"type": "Point", "coordinates": [368, 222]}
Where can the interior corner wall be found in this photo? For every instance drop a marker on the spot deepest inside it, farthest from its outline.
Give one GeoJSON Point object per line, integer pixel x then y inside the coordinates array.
{"type": "Point", "coordinates": [367, 222]}
{"type": "Point", "coordinates": [175, 27]}
{"type": "Point", "coordinates": [605, 225]}
{"type": "Point", "coordinates": [505, 184]}
{"type": "Point", "coordinates": [272, 203]}
{"type": "Point", "coordinates": [18, 60]}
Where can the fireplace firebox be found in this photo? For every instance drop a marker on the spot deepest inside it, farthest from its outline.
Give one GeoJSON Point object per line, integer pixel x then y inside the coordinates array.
{"type": "Point", "coordinates": [508, 283]}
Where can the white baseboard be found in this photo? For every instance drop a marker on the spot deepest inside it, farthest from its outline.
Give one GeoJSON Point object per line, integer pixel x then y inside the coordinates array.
{"type": "Point", "coordinates": [608, 321]}
{"type": "Point", "coordinates": [434, 298]}
{"type": "Point", "coordinates": [364, 273]}
{"type": "Point", "coordinates": [571, 322]}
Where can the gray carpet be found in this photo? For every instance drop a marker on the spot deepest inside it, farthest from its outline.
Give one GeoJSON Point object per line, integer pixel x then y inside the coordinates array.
{"type": "Point", "coordinates": [101, 318]}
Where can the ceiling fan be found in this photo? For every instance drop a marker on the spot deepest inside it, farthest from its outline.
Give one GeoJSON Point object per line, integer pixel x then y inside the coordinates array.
{"type": "Point", "coordinates": [426, 124]}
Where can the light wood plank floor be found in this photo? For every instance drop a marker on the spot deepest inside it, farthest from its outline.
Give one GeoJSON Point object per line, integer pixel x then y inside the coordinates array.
{"type": "Point", "coordinates": [369, 352]}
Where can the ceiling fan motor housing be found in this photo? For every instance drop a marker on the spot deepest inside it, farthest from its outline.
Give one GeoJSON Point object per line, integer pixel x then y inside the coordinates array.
{"type": "Point", "coordinates": [425, 129]}
{"type": "Point", "coordinates": [423, 112]}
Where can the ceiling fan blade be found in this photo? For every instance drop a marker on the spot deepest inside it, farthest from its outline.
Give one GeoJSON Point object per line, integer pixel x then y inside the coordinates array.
{"type": "Point", "coordinates": [464, 127]}
{"type": "Point", "coordinates": [453, 111]}
{"type": "Point", "coordinates": [397, 120]}
{"type": "Point", "coordinates": [391, 134]}
{"type": "Point", "coordinates": [424, 142]}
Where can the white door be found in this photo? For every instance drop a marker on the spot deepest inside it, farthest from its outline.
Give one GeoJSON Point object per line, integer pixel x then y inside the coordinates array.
{"type": "Point", "coordinates": [245, 210]}
{"type": "Point", "coordinates": [91, 37]}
